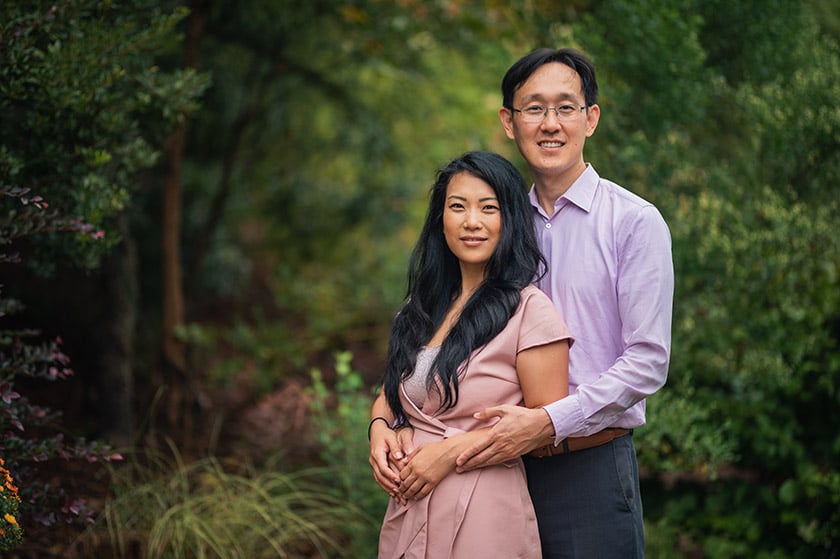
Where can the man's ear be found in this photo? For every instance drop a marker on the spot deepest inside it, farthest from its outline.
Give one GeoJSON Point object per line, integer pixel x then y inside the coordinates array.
{"type": "Point", "coordinates": [506, 116]}
{"type": "Point", "coordinates": [593, 116]}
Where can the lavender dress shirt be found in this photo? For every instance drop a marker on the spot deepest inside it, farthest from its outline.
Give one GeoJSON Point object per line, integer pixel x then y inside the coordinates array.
{"type": "Point", "coordinates": [611, 276]}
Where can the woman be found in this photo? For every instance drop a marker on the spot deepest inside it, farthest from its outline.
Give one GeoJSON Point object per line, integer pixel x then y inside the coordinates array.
{"type": "Point", "coordinates": [473, 332]}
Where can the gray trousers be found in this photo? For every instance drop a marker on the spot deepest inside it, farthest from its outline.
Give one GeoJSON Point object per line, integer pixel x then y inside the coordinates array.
{"type": "Point", "coordinates": [588, 503]}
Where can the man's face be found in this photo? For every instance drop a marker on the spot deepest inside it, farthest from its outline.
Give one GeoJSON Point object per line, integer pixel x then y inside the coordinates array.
{"type": "Point", "coordinates": [553, 147]}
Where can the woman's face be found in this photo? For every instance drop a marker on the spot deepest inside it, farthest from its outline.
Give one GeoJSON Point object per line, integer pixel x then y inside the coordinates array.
{"type": "Point", "coordinates": [472, 221]}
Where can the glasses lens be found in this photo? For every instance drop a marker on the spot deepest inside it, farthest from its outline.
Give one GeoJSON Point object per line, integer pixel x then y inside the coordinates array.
{"type": "Point", "coordinates": [537, 113]}
{"type": "Point", "coordinates": [533, 115]}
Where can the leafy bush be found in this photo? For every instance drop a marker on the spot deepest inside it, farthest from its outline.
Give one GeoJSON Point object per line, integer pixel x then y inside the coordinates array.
{"type": "Point", "coordinates": [30, 434]}
{"type": "Point", "coordinates": [340, 418]}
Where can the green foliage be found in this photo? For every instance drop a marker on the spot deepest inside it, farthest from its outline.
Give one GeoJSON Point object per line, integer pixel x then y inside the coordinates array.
{"type": "Point", "coordinates": [321, 160]}
{"type": "Point", "coordinates": [754, 375]}
{"type": "Point", "coordinates": [82, 109]}
{"type": "Point", "coordinates": [261, 346]}
{"type": "Point", "coordinates": [82, 106]}
{"type": "Point", "coordinates": [340, 418]}
{"type": "Point", "coordinates": [166, 508]}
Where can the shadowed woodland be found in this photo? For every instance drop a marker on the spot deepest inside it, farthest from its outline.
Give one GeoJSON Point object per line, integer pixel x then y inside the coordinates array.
{"type": "Point", "coordinates": [206, 213]}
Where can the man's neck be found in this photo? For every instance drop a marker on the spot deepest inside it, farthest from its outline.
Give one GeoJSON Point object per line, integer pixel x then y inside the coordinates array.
{"type": "Point", "coordinates": [551, 187]}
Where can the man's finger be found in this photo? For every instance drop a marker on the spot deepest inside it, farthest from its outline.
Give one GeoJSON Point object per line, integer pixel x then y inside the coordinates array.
{"type": "Point", "coordinates": [472, 452]}
{"type": "Point", "coordinates": [490, 413]}
{"type": "Point", "coordinates": [475, 461]}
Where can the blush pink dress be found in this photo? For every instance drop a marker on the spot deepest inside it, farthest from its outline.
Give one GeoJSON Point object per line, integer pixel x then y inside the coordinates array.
{"type": "Point", "coordinates": [487, 512]}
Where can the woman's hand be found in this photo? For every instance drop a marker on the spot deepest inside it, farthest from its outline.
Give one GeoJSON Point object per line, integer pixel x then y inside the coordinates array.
{"type": "Point", "coordinates": [431, 462]}
{"type": "Point", "coordinates": [427, 466]}
{"type": "Point", "coordinates": [389, 451]}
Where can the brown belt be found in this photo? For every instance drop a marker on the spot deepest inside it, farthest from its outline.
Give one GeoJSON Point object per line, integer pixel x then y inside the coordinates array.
{"type": "Point", "coordinates": [573, 444]}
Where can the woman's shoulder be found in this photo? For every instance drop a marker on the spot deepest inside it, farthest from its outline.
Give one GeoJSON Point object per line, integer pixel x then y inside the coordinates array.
{"type": "Point", "coordinates": [539, 318]}
{"type": "Point", "coordinates": [533, 299]}
{"type": "Point", "coordinates": [531, 291]}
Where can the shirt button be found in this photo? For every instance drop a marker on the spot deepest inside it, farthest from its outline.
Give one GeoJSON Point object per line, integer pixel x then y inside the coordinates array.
{"type": "Point", "coordinates": [547, 225]}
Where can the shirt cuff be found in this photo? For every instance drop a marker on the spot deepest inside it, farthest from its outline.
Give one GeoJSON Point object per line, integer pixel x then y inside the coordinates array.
{"type": "Point", "coordinates": [567, 417]}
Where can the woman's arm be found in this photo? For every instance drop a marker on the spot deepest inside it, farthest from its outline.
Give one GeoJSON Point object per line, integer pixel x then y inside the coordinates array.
{"type": "Point", "coordinates": [544, 375]}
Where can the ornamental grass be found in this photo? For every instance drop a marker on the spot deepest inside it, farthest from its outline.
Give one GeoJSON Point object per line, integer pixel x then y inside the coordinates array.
{"type": "Point", "coordinates": [222, 510]}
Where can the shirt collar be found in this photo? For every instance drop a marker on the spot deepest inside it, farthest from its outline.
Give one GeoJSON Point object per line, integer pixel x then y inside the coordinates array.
{"type": "Point", "coordinates": [581, 193]}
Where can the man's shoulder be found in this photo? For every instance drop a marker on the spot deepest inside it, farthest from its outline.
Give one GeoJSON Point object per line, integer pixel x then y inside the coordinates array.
{"type": "Point", "coordinates": [621, 195]}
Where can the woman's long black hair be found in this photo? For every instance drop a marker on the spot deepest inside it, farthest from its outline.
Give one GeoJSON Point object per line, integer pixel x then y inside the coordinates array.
{"type": "Point", "coordinates": [434, 282]}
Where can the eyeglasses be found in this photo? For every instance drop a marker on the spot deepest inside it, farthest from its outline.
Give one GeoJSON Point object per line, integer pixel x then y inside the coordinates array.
{"type": "Point", "coordinates": [536, 113]}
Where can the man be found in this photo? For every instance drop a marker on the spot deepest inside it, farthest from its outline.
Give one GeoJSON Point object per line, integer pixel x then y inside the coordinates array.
{"type": "Point", "coordinates": [610, 274]}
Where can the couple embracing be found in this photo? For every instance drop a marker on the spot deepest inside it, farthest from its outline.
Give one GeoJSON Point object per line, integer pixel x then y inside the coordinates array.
{"type": "Point", "coordinates": [536, 324]}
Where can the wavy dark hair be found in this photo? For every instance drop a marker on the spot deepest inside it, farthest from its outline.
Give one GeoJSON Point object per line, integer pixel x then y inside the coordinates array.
{"type": "Point", "coordinates": [434, 282]}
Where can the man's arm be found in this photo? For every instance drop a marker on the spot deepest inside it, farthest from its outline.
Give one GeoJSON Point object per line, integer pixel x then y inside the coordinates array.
{"type": "Point", "coordinates": [519, 431]}
{"type": "Point", "coordinates": [644, 285]}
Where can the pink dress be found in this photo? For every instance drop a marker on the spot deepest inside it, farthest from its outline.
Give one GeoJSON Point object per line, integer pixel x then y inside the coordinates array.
{"type": "Point", "coordinates": [487, 512]}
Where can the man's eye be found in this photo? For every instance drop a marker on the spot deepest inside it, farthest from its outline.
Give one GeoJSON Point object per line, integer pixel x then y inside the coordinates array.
{"type": "Point", "coordinates": [534, 110]}
{"type": "Point", "coordinates": [567, 109]}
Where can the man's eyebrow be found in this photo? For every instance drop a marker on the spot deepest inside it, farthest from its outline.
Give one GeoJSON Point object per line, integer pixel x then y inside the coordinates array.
{"type": "Point", "coordinates": [540, 97]}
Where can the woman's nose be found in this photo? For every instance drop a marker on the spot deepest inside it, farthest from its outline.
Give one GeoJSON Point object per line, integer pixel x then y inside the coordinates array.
{"type": "Point", "coordinates": [472, 219]}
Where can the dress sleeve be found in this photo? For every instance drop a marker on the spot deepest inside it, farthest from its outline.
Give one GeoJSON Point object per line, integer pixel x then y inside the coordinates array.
{"type": "Point", "coordinates": [541, 323]}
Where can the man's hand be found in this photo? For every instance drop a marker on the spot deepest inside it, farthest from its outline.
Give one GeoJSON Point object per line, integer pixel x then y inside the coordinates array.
{"type": "Point", "coordinates": [519, 431]}
{"type": "Point", "coordinates": [389, 450]}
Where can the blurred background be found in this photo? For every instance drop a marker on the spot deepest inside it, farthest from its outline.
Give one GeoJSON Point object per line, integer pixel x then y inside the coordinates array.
{"type": "Point", "coordinates": [207, 212]}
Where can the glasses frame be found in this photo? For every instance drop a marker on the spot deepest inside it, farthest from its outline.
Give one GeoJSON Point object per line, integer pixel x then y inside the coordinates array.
{"type": "Point", "coordinates": [560, 116]}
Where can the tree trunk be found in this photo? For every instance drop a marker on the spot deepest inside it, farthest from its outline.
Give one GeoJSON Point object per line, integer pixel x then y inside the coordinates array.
{"type": "Point", "coordinates": [175, 369]}
{"type": "Point", "coordinates": [174, 351]}
{"type": "Point", "coordinates": [116, 377]}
